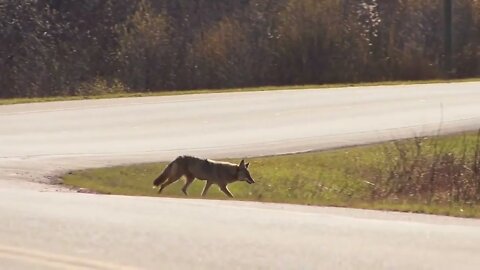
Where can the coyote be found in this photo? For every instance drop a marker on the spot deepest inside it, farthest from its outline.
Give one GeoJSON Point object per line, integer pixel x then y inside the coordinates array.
{"type": "Point", "coordinates": [214, 172]}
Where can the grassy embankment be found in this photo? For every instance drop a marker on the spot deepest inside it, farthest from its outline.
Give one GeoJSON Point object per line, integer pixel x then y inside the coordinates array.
{"type": "Point", "coordinates": [422, 175]}
{"type": "Point", "coordinates": [122, 94]}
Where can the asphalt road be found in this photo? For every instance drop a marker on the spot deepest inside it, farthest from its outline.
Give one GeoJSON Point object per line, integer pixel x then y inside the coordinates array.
{"type": "Point", "coordinates": [51, 230]}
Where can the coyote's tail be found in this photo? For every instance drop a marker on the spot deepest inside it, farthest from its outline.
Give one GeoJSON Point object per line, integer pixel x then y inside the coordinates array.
{"type": "Point", "coordinates": [165, 174]}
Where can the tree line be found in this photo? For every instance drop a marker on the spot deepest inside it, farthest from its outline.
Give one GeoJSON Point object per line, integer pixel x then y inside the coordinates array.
{"type": "Point", "coordinates": [79, 47]}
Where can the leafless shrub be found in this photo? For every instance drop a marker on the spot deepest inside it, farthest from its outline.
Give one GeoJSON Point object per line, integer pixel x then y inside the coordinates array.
{"type": "Point", "coordinates": [428, 170]}
{"type": "Point", "coordinates": [100, 87]}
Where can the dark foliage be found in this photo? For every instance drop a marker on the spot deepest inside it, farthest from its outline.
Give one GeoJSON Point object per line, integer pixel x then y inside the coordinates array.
{"type": "Point", "coordinates": [68, 47]}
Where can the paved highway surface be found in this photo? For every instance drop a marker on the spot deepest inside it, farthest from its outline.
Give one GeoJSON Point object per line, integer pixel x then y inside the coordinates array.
{"type": "Point", "coordinates": [51, 230]}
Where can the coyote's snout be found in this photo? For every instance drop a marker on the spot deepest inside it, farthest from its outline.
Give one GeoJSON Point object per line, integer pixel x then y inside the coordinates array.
{"type": "Point", "coordinates": [214, 172]}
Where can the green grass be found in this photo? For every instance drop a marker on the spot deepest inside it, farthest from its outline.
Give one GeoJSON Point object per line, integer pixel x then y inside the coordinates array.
{"type": "Point", "coordinates": [11, 101]}
{"type": "Point", "coordinates": [343, 177]}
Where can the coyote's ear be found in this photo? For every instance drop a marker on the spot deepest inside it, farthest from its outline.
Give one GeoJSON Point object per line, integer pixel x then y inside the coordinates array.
{"type": "Point", "coordinates": [242, 163]}
{"type": "Point", "coordinates": [246, 165]}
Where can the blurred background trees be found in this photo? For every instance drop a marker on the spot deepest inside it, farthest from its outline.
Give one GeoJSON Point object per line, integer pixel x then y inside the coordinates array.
{"type": "Point", "coordinates": [79, 47]}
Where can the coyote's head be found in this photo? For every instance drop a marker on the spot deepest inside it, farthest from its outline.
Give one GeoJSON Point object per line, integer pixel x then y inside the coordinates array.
{"type": "Point", "coordinates": [243, 173]}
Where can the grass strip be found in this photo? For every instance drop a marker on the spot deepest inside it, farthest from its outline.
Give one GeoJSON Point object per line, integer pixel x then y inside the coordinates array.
{"type": "Point", "coordinates": [438, 175]}
{"type": "Point", "coordinates": [11, 101]}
